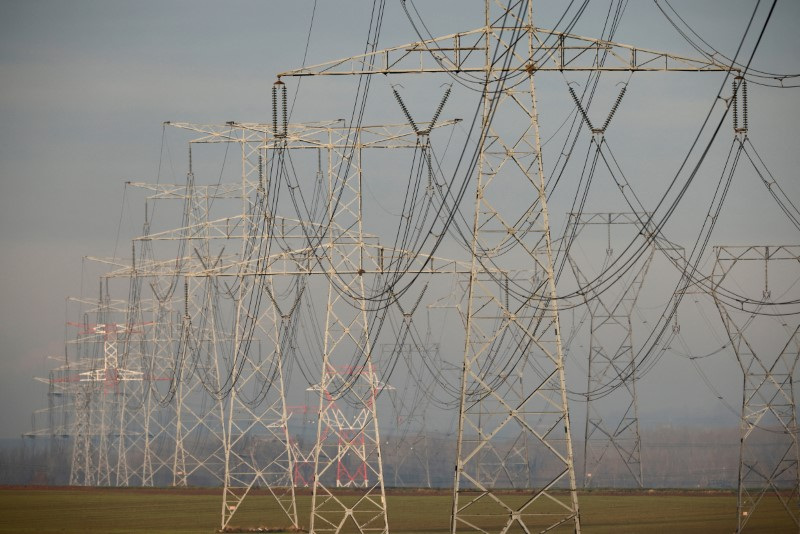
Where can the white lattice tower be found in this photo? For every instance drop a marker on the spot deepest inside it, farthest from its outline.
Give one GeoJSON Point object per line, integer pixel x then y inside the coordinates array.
{"type": "Point", "coordinates": [200, 409]}
{"type": "Point", "coordinates": [761, 322]}
{"type": "Point", "coordinates": [348, 380]}
{"type": "Point", "coordinates": [302, 452]}
{"type": "Point", "coordinates": [227, 369]}
{"type": "Point", "coordinates": [160, 378]}
{"type": "Point", "coordinates": [522, 330]}
{"type": "Point", "coordinates": [411, 441]}
{"type": "Point", "coordinates": [611, 435]}
{"type": "Point", "coordinates": [82, 469]}
{"type": "Point", "coordinates": [347, 453]}
{"type": "Point", "coordinates": [121, 404]}
{"type": "Point", "coordinates": [512, 323]}
{"type": "Point", "coordinates": [185, 418]}
{"type": "Point", "coordinates": [53, 424]}
{"type": "Point", "coordinates": [506, 463]}
{"type": "Point", "coordinates": [258, 446]}
{"type": "Point", "coordinates": [281, 265]}
{"type": "Point", "coordinates": [108, 420]}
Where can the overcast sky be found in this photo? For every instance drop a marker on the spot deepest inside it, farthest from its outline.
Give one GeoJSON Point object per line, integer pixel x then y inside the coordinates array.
{"type": "Point", "coordinates": [85, 87]}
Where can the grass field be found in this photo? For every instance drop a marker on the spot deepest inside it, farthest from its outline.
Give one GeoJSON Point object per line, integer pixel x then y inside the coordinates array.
{"type": "Point", "coordinates": [116, 511]}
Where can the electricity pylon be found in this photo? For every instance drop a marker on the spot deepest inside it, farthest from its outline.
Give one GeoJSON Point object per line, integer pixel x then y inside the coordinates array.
{"type": "Point", "coordinates": [106, 385]}
{"type": "Point", "coordinates": [765, 336]}
{"type": "Point", "coordinates": [283, 253]}
{"type": "Point", "coordinates": [610, 431]}
{"type": "Point", "coordinates": [410, 410]}
{"type": "Point", "coordinates": [347, 342]}
{"type": "Point", "coordinates": [67, 416]}
{"type": "Point", "coordinates": [511, 323]}
{"type": "Point", "coordinates": [232, 365]}
{"type": "Point", "coordinates": [346, 256]}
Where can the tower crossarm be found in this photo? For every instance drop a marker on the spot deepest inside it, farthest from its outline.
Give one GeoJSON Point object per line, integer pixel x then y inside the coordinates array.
{"type": "Point", "coordinates": [179, 191]}
{"type": "Point", "coordinates": [233, 131]}
{"type": "Point", "coordinates": [554, 51]}
{"type": "Point", "coordinates": [318, 135]}
{"type": "Point", "coordinates": [376, 259]}
{"type": "Point", "coordinates": [236, 227]}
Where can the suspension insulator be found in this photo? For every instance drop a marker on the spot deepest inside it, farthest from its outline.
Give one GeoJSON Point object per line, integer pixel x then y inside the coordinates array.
{"type": "Point", "coordinates": [429, 159]}
{"type": "Point", "coordinates": [614, 107]}
{"type": "Point", "coordinates": [285, 114]}
{"type": "Point", "coordinates": [744, 104]}
{"type": "Point", "coordinates": [735, 97]}
{"type": "Point", "coordinates": [405, 109]}
{"type": "Point", "coordinates": [580, 108]}
{"type": "Point", "coordinates": [260, 172]}
{"type": "Point", "coordinates": [275, 108]}
{"type": "Point", "coordinates": [439, 109]}
{"type": "Point", "coordinates": [419, 299]}
{"type": "Point", "coordinates": [186, 299]}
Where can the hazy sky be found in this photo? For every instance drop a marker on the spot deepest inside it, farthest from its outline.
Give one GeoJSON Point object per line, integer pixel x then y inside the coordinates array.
{"type": "Point", "coordinates": [85, 87]}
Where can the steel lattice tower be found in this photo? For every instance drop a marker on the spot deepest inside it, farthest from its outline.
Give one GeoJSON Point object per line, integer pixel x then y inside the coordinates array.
{"type": "Point", "coordinates": [611, 355]}
{"type": "Point", "coordinates": [765, 336]}
{"type": "Point", "coordinates": [248, 417]}
{"type": "Point", "coordinates": [108, 393]}
{"type": "Point", "coordinates": [512, 323]}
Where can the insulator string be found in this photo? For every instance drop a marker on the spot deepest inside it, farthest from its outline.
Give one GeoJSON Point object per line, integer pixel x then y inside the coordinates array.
{"type": "Point", "coordinates": [405, 109]}
{"type": "Point", "coordinates": [614, 107]}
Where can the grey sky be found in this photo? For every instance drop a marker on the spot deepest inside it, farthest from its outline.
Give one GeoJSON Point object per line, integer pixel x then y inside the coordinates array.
{"type": "Point", "coordinates": [85, 87]}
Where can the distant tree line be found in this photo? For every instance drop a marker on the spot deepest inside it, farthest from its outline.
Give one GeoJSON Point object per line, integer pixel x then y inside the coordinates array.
{"type": "Point", "coordinates": [672, 457]}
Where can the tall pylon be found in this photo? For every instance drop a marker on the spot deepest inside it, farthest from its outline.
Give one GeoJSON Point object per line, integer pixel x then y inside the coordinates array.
{"type": "Point", "coordinates": [347, 428]}
{"type": "Point", "coordinates": [512, 321]}
{"type": "Point", "coordinates": [411, 403]}
{"type": "Point", "coordinates": [249, 418]}
{"type": "Point", "coordinates": [108, 393]}
{"type": "Point", "coordinates": [612, 423]}
{"type": "Point", "coordinates": [765, 336]}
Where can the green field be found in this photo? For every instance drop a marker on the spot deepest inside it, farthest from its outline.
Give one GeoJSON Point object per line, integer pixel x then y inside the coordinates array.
{"type": "Point", "coordinates": [112, 511]}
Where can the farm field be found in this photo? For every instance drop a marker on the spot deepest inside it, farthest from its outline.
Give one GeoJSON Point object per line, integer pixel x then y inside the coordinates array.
{"type": "Point", "coordinates": [116, 511]}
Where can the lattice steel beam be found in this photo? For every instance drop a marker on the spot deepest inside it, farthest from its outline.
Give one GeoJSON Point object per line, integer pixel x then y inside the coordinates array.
{"type": "Point", "coordinates": [766, 341]}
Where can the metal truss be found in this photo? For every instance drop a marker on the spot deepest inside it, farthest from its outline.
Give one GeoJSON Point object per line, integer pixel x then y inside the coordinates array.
{"type": "Point", "coordinates": [255, 421]}
{"type": "Point", "coordinates": [511, 323]}
{"type": "Point", "coordinates": [766, 340]}
{"type": "Point", "coordinates": [410, 442]}
{"type": "Point", "coordinates": [347, 427]}
{"type": "Point", "coordinates": [106, 384]}
{"type": "Point", "coordinates": [345, 257]}
{"type": "Point", "coordinates": [161, 345]}
{"type": "Point", "coordinates": [258, 447]}
{"type": "Point", "coordinates": [553, 51]}
{"type": "Point", "coordinates": [302, 452]}
{"type": "Point", "coordinates": [54, 422]}
{"type": "Point", "coordinates": [611, 356]}
{"type": "Point", "coordinates": [506, 463]}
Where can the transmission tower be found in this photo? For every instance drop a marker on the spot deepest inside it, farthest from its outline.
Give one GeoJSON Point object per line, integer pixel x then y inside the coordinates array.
{"type": "Point", "coordinates": [347, 434]}
{"type": "Point", "coordinates": [229, 390]}
{"type": "Point", "coordinates": [302, 453]}
{"type": "Point", "coordinates": [108, 391]}
{"type": "Point", "coordinates": [511, 323]}
{"type": "Point", "coordinates": [611, 354]}
{"type": "Point", "coordinates": [410, 406]}
{"type": "Point", "coordinates": [249, 417]}
{"type": "Point", "coordinates": [765, 335]}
